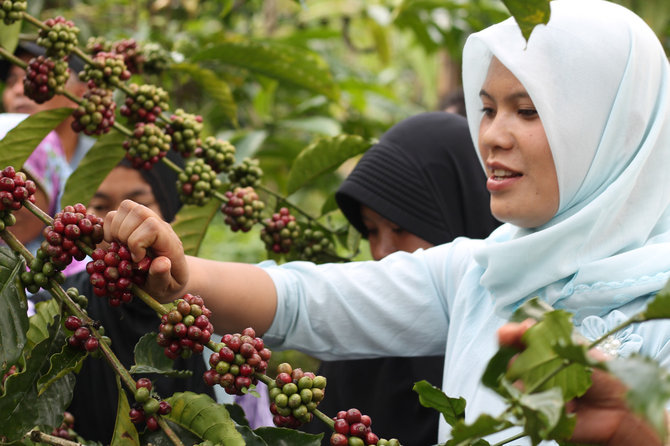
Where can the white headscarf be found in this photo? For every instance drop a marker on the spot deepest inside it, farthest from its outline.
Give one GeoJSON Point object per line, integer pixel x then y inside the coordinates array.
{"type": "Point", "coordinates": [600, 81]}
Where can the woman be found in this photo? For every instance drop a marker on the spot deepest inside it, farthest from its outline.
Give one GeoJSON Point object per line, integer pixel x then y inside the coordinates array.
{"type": "Point", "coordinates": [420, 186]}
{"type": "Point", "coordinates": [573, 128]}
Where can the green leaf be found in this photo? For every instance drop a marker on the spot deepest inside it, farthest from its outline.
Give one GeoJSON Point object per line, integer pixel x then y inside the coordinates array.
{"type": "Point", "coordinates": [497, 368]}
{"type": "Point", "coordinates": [539, 359]}
{"type": "Point", "coordinates": [215, 87]}
{"type": "Point", "coordinates": [542, 412]}
{"type": "Point", "coordinates": [313, 124]}
{"type": "Point", "coordinates": [125, 433]}
{"type": "Point", "coordinates": [158, 438]}
{"type": "Point", "coordinates": [13, 308]}
{"type": "Point", "coordinates": [21, 408]}
{"type": "Point", "coordinates": [93, 168]}
{"type": "Point", "coordinates": [452, 409]}
{"type": "Point", "coordinates": [659, 307]}
{"type": "Point", "coordinates": [149, 358]}
{"type": "Point", "coordinates": [191, 223]}
{"type": "Point", "coordinates": [202, 416]}
{"type": "Point", "coordinates": [529, 13]}
{"type": "Point", "coordinates": [484, 425]}
{"type": "Point", "coordinates": [287, 437]}
{"type": "Point", "coordinates": [9, 35]}
{"type": "Point", "coordinates": [19, 143]}
{"type": "Point", "coordinates": [648, 388]}
{"type": "Point", "coordinates": [249, 437]}
{"type": "Point", "coordinates": [66, 361]}
{"type": "Point", "coordinates": [531, 309]}
{"type": "Point", "coordinates": [323, 156]}
{"type": "Point", "coordinates": [45, 312]}
{"type": "Point", "coordinates": [288, 64]}
{"type": "Point", "coordinates": [237, 414]}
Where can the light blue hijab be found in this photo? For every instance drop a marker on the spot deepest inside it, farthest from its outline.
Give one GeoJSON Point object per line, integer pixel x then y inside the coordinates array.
{"type": "Point", "coordinates": [600, 81]}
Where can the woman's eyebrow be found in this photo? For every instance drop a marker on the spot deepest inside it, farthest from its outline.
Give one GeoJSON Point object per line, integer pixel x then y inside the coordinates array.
{"type": "Point", "coordinates": [512, 96]}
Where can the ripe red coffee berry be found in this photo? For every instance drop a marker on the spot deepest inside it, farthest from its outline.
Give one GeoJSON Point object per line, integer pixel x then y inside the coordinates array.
{"type": "Point", "coordinates": [91, 344]}
{"type": "Point", "coordinates": [72, 323]}
{"type": "Point", "coordinates": [341, 426]}
{"type": "Point", "coordinates": [152, 423]}
{"type": "Point", "coordinates": [353, 416]}
{"type": "Point", "coordinates": [358, 430]}
{"type": "Point", "coordinates": [143, 382]}
{"type": "Point", "coordinates": [338, 439]}
{"type": "Point", "coordinates": [366, 420]}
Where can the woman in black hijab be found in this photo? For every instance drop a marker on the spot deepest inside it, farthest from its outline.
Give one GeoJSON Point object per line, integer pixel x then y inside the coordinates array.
{"type": "Point", "coordinates": [421, 185]}
{"type": "Point", "coordinates": [95, 396]}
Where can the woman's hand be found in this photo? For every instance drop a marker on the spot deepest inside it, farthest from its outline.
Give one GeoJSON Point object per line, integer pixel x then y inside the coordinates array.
{"type": "Point", "coordinates": [141, 229]}
{"type": "Point", "coordinates": [602, 414]}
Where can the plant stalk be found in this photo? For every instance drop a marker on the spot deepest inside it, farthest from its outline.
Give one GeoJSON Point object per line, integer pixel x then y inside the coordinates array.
{"type": "Point", "coordinates": [40, 437]}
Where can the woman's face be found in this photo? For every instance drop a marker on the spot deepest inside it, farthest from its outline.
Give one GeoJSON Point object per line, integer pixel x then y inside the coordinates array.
{"type": "Point", "coordinates": [513, 145]}
{"type": "Point", "coordinates": [386, 237]}
{"type": "Point", "coordinates": [120, 184]}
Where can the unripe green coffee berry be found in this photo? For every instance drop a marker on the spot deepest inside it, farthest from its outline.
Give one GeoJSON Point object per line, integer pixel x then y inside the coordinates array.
{"type": "Point", "coordinates": [273, 392]}
{"type": "Point", "coordinates": [222, 367]}
{"type": "Point", "coordinates": [294, 401]}
{"type": "Point", "coordinates": [281, 400]}
{"type": "Point", "coordinates": [306, 395]}
{"type": "Point", "coordinates": [151, 406]}
{"type": "Point", "coordinates": [319, 382]}
{"type": "Point", "coordinates": [142, 395]}
{"type": "Point", "coordinates": [289, 389]}
{"type": "Point", "coordinates": [300, 412]}
{"type": "Point", "coordinates": [305, 383]}
{"type": "Point", "coordinates": [317, 394]}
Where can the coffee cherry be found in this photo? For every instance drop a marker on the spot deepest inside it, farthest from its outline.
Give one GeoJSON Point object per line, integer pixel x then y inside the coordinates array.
{"type": "Point", "coordinates": [65, 428]}
{"type": "Point", "coordinates": [59, 38]}
{"type": "Point", "coordinates": [147, 145]}
{"type": "Point", "coordinates": [72, 323]}
{"type": "Point", "coordinates": [156, 58]}
{"type": "Point", "coordinates": [246, 174]}
{"type": "Point", "coordinates": [219, 154]}
{"type": "Point", "coordinates": [197, 182]}
{"type": "Point", "coordinates": [285, 392]}
{"type": "Point", "coordinates": [243, 209]}
{"type": "Point", "coordinates": [136, 416]}
{"type": "Point", "coordinates": [106, 71]}
{"type": "Point", "coordinates": [12, 10]}
{"type": "Point", "coordinates": [15, 188]}
{"type": "Point", "coordinates": [132, 54]}
{"type": "Point", "coordinates": [179, 332]}
{"type": "Point", "coordinates": [280, 231]}
{"type": "Point", "coordinates": [152, 423]}
{"type": "Point", "coordinates": [143, 382]}
{"type": "Point", "coordinates": [96, 45]}
{"type": "Point", "coordinates": [313, 245]}
{"type": "Point", "coordinates": [95, 114]}
{"type": "Point", "coordinates": [185, 129]}
{"type": "Point", "coordinates": [44, 78]}
{"type": "Point", "coordinates": [339, 439]}
{"type": "Point", "coordinates": [144, 103]}
{"type": "Point", "coordinates": [71, 226]}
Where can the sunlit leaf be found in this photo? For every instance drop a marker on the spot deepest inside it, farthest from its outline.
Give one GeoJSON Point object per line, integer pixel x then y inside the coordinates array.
{"type": "Point", "coordinates": [542, 412]}
{"type": "Point", "coordinates": [659, 307]}
{"type": "Point", "coordinates": [19, 143]}
{"type": "Point", "coordinates": [13, 308]}
{"type": "Point", "coordinates": [93, 168]}
{"type": "Point", "coordinates": [45, 312]}
{"type": "Point", "coordinates": [452, 409]}
{"type": "Point", "coordinates": [202, 416]}
{"type": "Point", "coordinates": [125, 433]}
{"type": "Point", "coordinates": [215, 87]}
{"type": "Point", "coordinates": [648, 388]}
{"type": "Point", "coordinates": [158, 438]}
{"type": "Point", "coordinates": [323, 156]}
{"type": "Point", "coordinates": [528, 13]}
{"type": "Point", "coordinates": [191, 223]}
{"type": "Point", "coordinates": [484, 425]}
{"type": "Point", "coordinates": [291, 65]}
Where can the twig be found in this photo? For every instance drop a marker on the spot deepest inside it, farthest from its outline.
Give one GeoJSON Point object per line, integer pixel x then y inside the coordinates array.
{"type": "Point", "coordinates": [40, 437]}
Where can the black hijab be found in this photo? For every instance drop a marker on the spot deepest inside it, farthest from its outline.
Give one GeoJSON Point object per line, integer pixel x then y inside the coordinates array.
{"type": "Point", "coordinates": [424, 176]}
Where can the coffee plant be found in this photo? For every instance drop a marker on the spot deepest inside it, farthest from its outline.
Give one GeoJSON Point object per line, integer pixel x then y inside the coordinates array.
{"type": "Point", "coordinates": [214, 183]}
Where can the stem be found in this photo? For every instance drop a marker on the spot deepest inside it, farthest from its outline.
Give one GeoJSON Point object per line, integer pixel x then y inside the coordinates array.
{"type": "Point", "coordinates": [168, 162]}
{"type": "Point", "coordinates": [324, 418]}
{"type": "Point", "coordinates": [511, 439]}
{"type": "Point", "coordinates": [12, 58]}
{"type": "Point", "coordinates": [39, 213]}
{"type": "Point", "coordinates": [636, 318]}
{"type": "Point", "coordinates": [40, 437]}
{"type": "Point", "coordinates": [34, 21]}
{"type": "Point", "coordinates": [264, 378]}
{"type": "Point", "coordinates": [168, 431]}
{"type": "Point", "coordinates": [150, 301]}
{"type": "Point", "coordinates": [283, 199]}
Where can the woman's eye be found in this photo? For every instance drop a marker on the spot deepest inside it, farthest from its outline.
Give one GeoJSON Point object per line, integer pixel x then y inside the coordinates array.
{"type": "Point", "coordinates": [488, 111]}
{"type": "Point", "coordinates": [398, 230]}
{"type": "Point", "coordinates": [528, 112]}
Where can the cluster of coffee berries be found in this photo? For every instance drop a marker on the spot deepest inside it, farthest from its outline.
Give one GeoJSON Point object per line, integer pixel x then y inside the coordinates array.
{"type": "Point", "coordinates": [131, 52]}
{"type": "Point", "coordinates": [243, 208]}
{"type": "Point", "coordinates": [146, 406]}
{"type": "Point", "coordinates": [41, 271]}
{"type": "Point", "coordinates": [294, 395]}
{"type": "Point", "coordinates": [44, 78]}
{"type": "Point", "coordinates": [147, 145]}
{"type": "Point", "coordinates": [280, 231]}
{"type": "Point", "coordinates": [70, 226]}
{"type": "Point", "coordinates": [246, 174]}
{"type": "Point", "coordinates": [219, 154]}
{"type": "Point", "coordinates": [95, 113]}
{"type": "Point", "coordinates": [66, 428]}
{"type": "Point", "coordinates": [197, 182]}
{"type": "Point", "coordinates": [314, 245]}
{"type": "Point", "coordinates": [144, 103]}
{"type": "Point", "coordinates": [185, 328]}
{"type": "Point", "coordinates": [112, 273]}
{"type": "Point", "coordinates": [96, 45]}
{"type": "Point", "coordinates": [80, 299]}
{"type": "Point", "coordinates": [59, 38]}
{"type": "Point", "coordinates": [12, 10]}
{"type": "Point", "coordinates": [107, 71]}
{"type": "Point", "coordinates": [185, 129]}
{"type": "Point", "coordinates": [156, 58]}
{"type": "Point", "coordinates": [81, 338]}
{"type": "Point", "coordinates": [352, 428]}
{"type": "Point", "coordinates": [236, 359]}
{"type": "Point", "coordinates": [15, 188]}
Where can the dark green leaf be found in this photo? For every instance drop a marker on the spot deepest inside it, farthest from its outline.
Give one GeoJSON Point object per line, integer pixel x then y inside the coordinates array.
{"type": "Point", "coordinates": [20, 407]}
{"type": "Point", "coordinates": [92, 170]}
{"type": "Point", "coordinates": [528, 13]}
{"type": "Point", "coordinates": [158, 438]}
{"type": "Point", "coordinates": [484, 425]}
{"type": "Point", "coordinates": [452, 409]}
{"type": "Point", "coordinates": [203, 417]}
{"type": "Point", "coordinates": [287, 64]}
{"type": "Point", "coordinates": [215, 87]}
{"type": "Point", "coordinates": [659, 307]}
{"type": "Point", "coordinates": [250, 438]}
{"type": "Point", "coordinates": [497, 367]}
{"type": "Point", "coordinates": [149, 358]}
{"type": "Point", "coordinates": [125, 433]}
{"type": "Point", "coordinates": [323, 156]}
{"type": "Point", "coordinates": [287, 437]}
{"type": "Point", "coordinates": [19, 143]}
{"type": "Point", "coordinates": [66, 361]}
{"type": "Point", "coordinates": [13, 308]}
{"type": "Point", "coordinates": [237, 414]}
{"type": "Point", "coordinates": [648, 388]}
{"type": "Point", "coordinates": [577, 353]}
{"type": "Point", "coordinates": [191, 224]}
{"type": "Point", "coordinates": [45, 312]}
